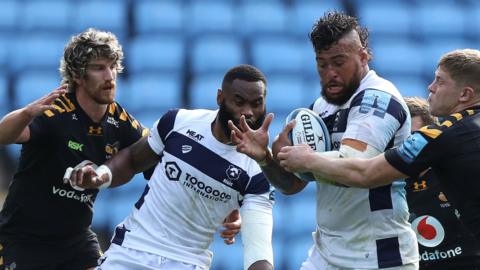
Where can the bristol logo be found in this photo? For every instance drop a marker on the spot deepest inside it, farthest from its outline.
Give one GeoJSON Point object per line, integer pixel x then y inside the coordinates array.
{"type": "Point", "coordinates": [233, 172]}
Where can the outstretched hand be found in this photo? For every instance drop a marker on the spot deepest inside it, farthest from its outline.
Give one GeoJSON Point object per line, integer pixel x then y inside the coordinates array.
{"type": "Point", "coordinates": [44, 103]}
{"type": "Point", "coordinates": [295, 158]}
{"type": "Point", "coordinates": [253, 143]}
{"type": "Point", "coordinates": [232, 225]}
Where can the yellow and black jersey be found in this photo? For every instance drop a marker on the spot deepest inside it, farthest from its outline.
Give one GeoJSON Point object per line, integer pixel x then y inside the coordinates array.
{"type": "Point", "coordinates": [452, 150]}
{"type": "Point", "coordinates": [39, 206]}
{"type": "Point", "coordinates": [443, 241]}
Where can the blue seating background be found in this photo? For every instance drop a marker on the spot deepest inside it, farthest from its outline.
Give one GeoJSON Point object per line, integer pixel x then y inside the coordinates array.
{"type": "Point", "coordinates": [176, 52]}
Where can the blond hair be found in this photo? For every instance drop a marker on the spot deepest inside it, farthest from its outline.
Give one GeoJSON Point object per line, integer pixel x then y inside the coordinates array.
{"type": "Point", "coordinates": [419, 107]}
{"type": "Point", "coordinates": [83, 48]}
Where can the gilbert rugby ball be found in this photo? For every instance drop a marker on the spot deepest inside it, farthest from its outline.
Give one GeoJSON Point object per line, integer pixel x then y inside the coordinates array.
{"type": "Point", "coordinates": [311, 130]}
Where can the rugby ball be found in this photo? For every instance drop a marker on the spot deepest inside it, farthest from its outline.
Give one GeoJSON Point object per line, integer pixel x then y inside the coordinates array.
{"type": "Point", "coordinates": [311, 130]}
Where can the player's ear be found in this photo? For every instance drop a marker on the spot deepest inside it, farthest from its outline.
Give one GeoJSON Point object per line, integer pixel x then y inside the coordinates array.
{"type": "Point", "coordinates": [219, 97]}
{"type": "Point", "coordinates": [364, 55]}
{"type": "Point", "coordinates": [467, 94]}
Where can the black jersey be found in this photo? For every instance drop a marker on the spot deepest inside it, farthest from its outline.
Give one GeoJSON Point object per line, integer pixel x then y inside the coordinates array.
{"type": "Point", "coordinates": [452, 150]}
{"type": "Point", "coordinates": [444, 242]}
{"type": "Point", "coordinates": [39, 206]}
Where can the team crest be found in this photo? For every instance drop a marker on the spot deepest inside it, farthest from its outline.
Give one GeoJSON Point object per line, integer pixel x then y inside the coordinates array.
{"type": "Point", "coordinates": [233, 172]}
{"type": "Point", "coordinates": [111, 149]}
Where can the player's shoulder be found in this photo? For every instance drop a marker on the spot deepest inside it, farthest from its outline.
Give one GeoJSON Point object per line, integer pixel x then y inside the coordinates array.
{"type": "Point", "coordinates": [63, 105]}
{"type": "Point", "coordinates": [118, 115]}
{"type": "Point", "coordinates": [448, 124]}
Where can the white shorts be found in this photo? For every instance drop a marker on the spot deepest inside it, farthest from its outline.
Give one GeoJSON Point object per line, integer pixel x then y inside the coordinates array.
{"type": "Point", "coordinates": [315, 261]}
{"type": "Point", "coordinates": [122, 258]}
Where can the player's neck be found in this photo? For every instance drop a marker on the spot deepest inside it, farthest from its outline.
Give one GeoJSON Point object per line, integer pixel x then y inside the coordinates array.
{"type": "Point", "coordinates": [93, 109]}
{"type": "Point", "coordinates": [218, 132]}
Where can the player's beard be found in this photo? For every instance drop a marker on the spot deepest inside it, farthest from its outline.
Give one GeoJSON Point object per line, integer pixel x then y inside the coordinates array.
{"type": "Point", "coordinates": [225, 114]}
{"type": "Point", "coordinates": [348, 90]}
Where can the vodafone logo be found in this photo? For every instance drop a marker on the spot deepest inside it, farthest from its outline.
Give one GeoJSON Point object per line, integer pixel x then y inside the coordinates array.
{"type": "Point", "coordinates": [429, 230]}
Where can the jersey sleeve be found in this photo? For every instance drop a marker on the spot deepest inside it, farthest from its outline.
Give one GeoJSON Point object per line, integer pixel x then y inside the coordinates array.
{"type": "Point", "coordinates": [374, 118]}
{"type": "Point", "coordinates": [259, 194]}
{"type": "Point", "coordinates": [419, 151]}
{"type": "Point", "coordinates": [160, 131]}
{"type": "Point", "coordinates": [135, 131]}
{"type": "Point", "coordinates": [41, 127]}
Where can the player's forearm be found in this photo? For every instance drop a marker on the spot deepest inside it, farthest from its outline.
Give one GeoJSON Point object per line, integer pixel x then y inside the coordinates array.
{"type": "Point", "coordinates": [136, 158]}
{"type": "Point", "coordinates": [12, 126]}
{"type": "Point", "coordinates": [285, 182]}
{"type": "Point", "coordinates": [257, 226]}
{"type": "Point", "coordinates": [355, 172]}
{"type": "Point", "coordinates": [121, 167]}
{"type": "Point", "coordinates": [344, 171]}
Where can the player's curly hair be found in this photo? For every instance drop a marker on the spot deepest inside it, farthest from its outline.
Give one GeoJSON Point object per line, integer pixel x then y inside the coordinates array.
{"type": "Point", "coordinates": [85, 47]}
{"type": "Point", "coordinates": [334, 25]}
{"type": "Point", "coordinates": [419, 107]}
{"type": "Point", "coordinates": [244, 72]}
{"type": "Point", "coordinates": [463, 66]}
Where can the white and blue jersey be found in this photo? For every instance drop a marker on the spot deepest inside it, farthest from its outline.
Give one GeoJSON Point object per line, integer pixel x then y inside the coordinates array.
{"type": "Point", "coordinates": [198, 182]}
{"type": "Point", "coordinates": [366, 228]}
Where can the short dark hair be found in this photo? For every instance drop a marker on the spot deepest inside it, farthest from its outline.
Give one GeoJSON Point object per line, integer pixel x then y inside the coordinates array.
{"type": "Point", "coordinates": [463, 66]}
{"type": "Point", "coordinates": [334, 25]}
{"type": "Point", "coordinates": [244, 72]}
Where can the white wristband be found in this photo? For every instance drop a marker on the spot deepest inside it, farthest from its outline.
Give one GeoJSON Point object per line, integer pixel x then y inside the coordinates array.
{"type": "Point", "coordinates": [104, 170]}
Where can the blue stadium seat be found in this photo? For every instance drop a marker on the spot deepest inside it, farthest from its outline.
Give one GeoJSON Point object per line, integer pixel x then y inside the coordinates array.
{"type": "Point", "coordinates": [5, 52]}
{"type": "Point", "coordinates": [216, 53]}
{"type": "Point", "coordinates": [210, 16]}
{"type": "Point", "coordinates": [305, 13]}
{"type": "Point", "coordinates": [302, 212]}
{"type": "Point", "coordinates": [4, 96]}
{"type": "Point", "coordinates": [397, 57]}
{"type": "Point", "coordinates": [312, 89]}
{"type": "Point", "coordinates": [122, 94]}
{"type": "Point", "coordinates": [154, 91]}
{"type": "Point", "coordinates": [386, 18]}
{"type": "Point", "coordinates": [434, 48]}
{"type": "Point", "coordinates": [32, 85]}
{"type": "Point", "coordinates": [473, 15]}
{"type": "Point", "coordinates": [278, 54]}
{"type": "Point", "coordinates": [275, 128]}
{"type": "Point", "coordinates": [101, 211]}
{"type": "Point", "coordinates": [9, 15]}
{"type": "Point", "coordinates": [298, 251]}
{"type": "Point", "coordinates": [158, 16]}
{"type": "Point", "coordinates": [51, 15]}
{"type": "Point", "coordinates": [161, 53]}
{"type": "Point", "coordinates": [203, 91]}
{"type": "Point", "coordinates": [411, 85]}
{"type": "Point", "coordinates": [148, 118]}
{"type": "Point", "coordinates": [281, 217]}
{"type": "Point", "coordinates": [262, 17]}
{"type": "Point", "coordinates": [107, 15]}
{"type": "Point", "coordinates": [440, 19]}
{"type": "Point", "coordinates": [227, 256]}
{"type": "Point", "coordinates": [284, 93]}
{"type": "Point", "coordinates": [37, 51]}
